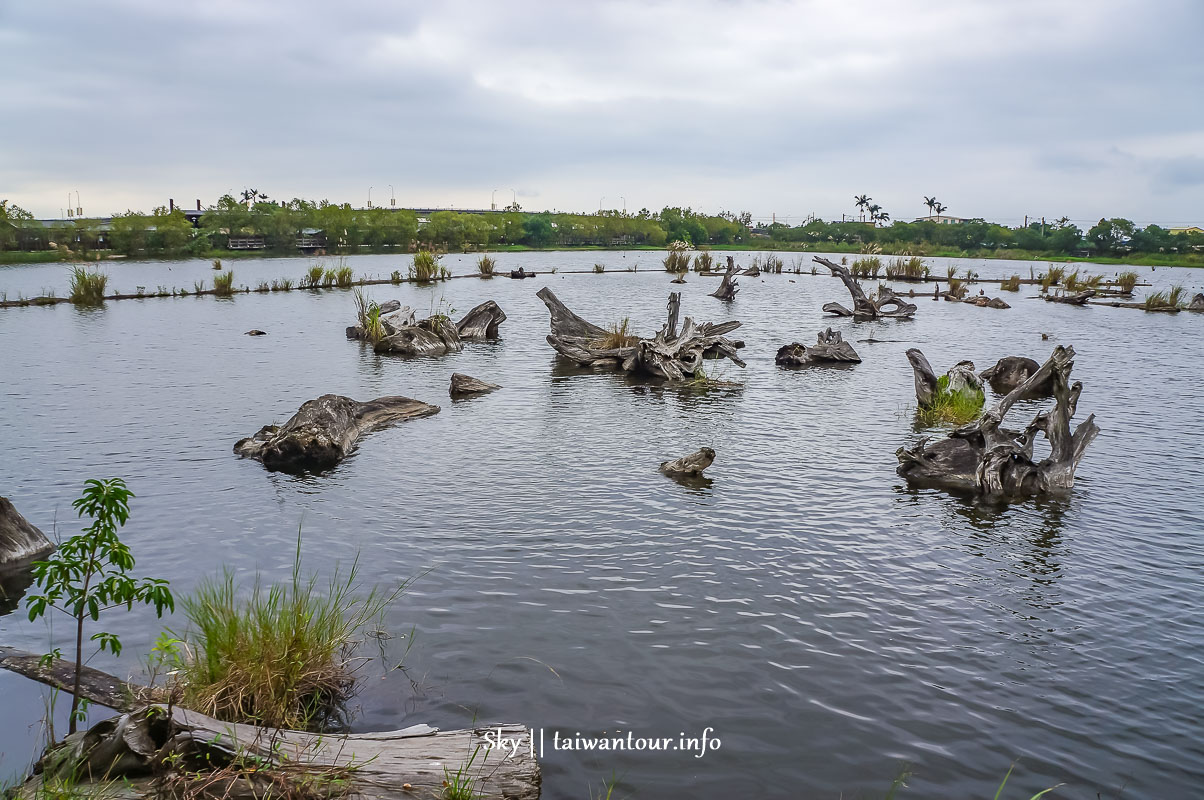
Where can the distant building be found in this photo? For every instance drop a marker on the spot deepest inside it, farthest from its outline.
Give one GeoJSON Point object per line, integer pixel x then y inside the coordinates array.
{"type": "Point", "coordinates": [942, 219]}
{"type": "Point", "coordinates": [1191, 229]}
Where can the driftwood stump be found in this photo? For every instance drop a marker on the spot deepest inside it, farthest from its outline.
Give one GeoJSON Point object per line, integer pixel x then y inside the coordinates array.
{"type": "Point", "coordinates": [463, 385]}
{"type": "Point", "coordinates": [481, 322]}
{"type": "Point", "coordinates": [20, 541]}
{"type": "Point", "coordinates": [672, 354]}
{"type": "Point", "coordinates": [1197, 302]}
{"type": "Point", "coordinates": [887, 304]}
{"type": "Point", "coordinates": [1011, 371]}
{"type": "Point", "coordinates": [323, 431]}
{"type": "Point", "coordinates": [985, 458]}
{"type": "Point", "coordinates": [692, 464]}
{"type": "Point", "coordinates": [830, 347]}
{"type": "Point", "coordinates": [960, 379]}
{"type": "Point", "coordinates": [727, 287]}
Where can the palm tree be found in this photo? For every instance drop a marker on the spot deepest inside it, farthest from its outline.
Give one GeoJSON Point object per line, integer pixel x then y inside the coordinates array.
{"type": "Point", "coordinates": [931, 202]}
{"type": "Point", "coordinates": [883, 217]}
{"type": "Point", "coordinates": [874, 208]}
{"type": "Point", "coordinates": [862, 201]}
{"type": "Point", "coordinates": [939, 209]}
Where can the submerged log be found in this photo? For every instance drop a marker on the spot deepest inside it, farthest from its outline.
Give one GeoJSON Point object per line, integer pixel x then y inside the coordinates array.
{"type": "Point", "coordinates": [20, 541]}
{"type": "Point", "coordinates": [982, 301]}
{"type": "Point", "coordinates": [462, 385]}
{"type": "Point", "coordinates": [1011, 371]}
{"type": "Point", "coordinates": [521, 273]}
{"type": "Point", "coordinates": [885, 304]}
{"type": "Point", "coordinates": [830, 347]}
{"type": "Point", "coordinates": [481, 322]}
{"type": "Point", "coordinates": [95, 686]}
{"type": "Point", "coordinates": [671, 355]}
{"type": "Point", "coordinates": [727, 287]}
{"type": "Point", "coordinates": [692, 464]}
{"type": "Point", "coordinates": [1079, 299]}
{"type": "Point", "coordinates": [986, 458]}
{"type": "Point", "coordinates": [323, 431]}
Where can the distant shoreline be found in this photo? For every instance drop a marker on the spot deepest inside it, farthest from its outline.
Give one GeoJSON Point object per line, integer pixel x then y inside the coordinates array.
{"type": "Point", "coordinates": [1191, 260]}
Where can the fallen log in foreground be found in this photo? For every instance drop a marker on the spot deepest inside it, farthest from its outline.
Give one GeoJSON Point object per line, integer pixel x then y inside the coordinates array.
{"type": "Point", "coordinates": [885, 304]}
{"type": "Point", "coordinates": [672, 355]}
{"type": "Point", "coordinates": [323, 431]}
{"type": "Point", "coordinates": [986, 458]}
{"type": "Point", "coordinates": [153, 750]}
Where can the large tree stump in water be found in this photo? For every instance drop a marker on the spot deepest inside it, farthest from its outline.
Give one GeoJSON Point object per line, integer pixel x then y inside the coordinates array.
{"type": "Point", "coordinates": [829, 347]}
{"type": "Point", "coordinates": [672, 355]}
{"type": "Point", "coordinates": [960, 379]}
{"type": "Point", "coordinates": [727, 287]}
{"type": "Point", "coordinates": [886, 304]}
{"type": "Point", "coordinates": [323, 431]}
{"type": "Point", "coordinates": [986, 458]}
{"type": "Point", "coordinates": [20, 541]}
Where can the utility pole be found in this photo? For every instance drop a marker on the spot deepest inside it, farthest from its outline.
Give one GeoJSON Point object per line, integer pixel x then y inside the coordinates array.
{"type": "Point", "coordinates": [392, 197]}
{"type": "Point", "coordinates": [369, 197]}
{"type": "Point", "coordinates": [493, 201]}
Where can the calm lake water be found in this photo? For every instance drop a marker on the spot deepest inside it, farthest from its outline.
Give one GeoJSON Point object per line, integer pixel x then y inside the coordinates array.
{"type": "Point", "coordinates": [827, 623]}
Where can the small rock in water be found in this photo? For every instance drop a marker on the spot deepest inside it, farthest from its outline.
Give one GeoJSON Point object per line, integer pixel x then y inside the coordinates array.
{"type": "Point", "coordinates": [255, 332]}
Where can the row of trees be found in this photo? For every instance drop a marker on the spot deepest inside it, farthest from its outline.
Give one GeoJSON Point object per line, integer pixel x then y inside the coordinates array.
{"type": "Point", "coordinates": [342, 228]}
{"type": "Point", "coordinates": [1107, 237]}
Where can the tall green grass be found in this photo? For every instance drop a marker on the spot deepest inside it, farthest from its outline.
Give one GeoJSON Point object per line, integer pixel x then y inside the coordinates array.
{"type": "Point", "coordinates": [88, 287]}
{"type": "Point", "coordinates": [280, 655]}
{"type": "Point", "coordinates": [1012, 284]}
{"type": "Point", "coordinates": [1175, 298]}
{"type": "Point", "coordinates": [313, 276]}
{"type": "Point", "coordinates": [907, 269]}
{"type": "Point", "coordinates": [425, 266]}
{"type": "Point", "coordinates": [704, 261]}
{"type": "Point", "coordinates": [866, 267]}
{"type": "Point", "coordinates": [485, 266]}
{"type": "Point", "coordinates": [223, 283]}
{"type": "Point", "coordinates": [1126, 281]}
{"type": "Point", "coordinates": [957, 408]}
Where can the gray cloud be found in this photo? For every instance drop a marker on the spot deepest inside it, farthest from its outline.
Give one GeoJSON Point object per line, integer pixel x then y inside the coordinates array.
{"type": "Point", "coordinates": [1001, 109]}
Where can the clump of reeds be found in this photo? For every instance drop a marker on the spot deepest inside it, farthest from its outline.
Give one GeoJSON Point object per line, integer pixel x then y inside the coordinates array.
{"type": "Point", "coordinates": [1071, 281]}
{"type": "Point", "coordinates": [344, 277]}
{"type": "Point", "coordinates": [223, 283]}
{"type": "Point", "coordinates": [957, 288]}
{"type": "Point", "coordinates": [907, 269]}
{"type": "Point", "coordinates": [1174, 299]}
{"type": "Point", "coordinates": [599, 268]}
{"type": "Point", "coordinates": [425, 266]}
{"type": "Point", "coordinates": [1012, 284]}
{"type": "Point", "coordinates": [618, 335]}
{"type": "Point", "coordinates": [277, 656]}
{"type": "Point", "coordinates": [1056, 274]}
{"type": "Point", "coordinates": [678, 257]}
{"type": "Point", "coordinates": [263, 286]}
{"type": "Point", "coordinates": [1127, 281]}
{"type": "Point", "coordinates": [956, 408]}
{"type": "Point", "coordinates": [773, 264]}
{"type": "Point", "coordinates": [485, 266]}
{"type": "Point", "coordinates": [866, 267]}
{"type": "Point", "coordinates": [367, 313]}
{"type": "Point", "coordinates": [313, 277]}
{"type": "Point", "coordinates": [217, 263]}
{"type": "Point", "coordinates": [704, 261]}
{"type": "Point", "coordinates": [950, 273]}
{"type": "Point", "coordinates": [88, 287]}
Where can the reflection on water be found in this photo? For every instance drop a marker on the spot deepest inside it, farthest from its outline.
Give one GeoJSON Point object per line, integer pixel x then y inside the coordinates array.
{"type": "Point", "coordinates": [827, 622]}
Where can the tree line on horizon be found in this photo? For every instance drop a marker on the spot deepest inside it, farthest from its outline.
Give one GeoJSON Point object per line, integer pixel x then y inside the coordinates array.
{"type": "Point", "coordinates": [169, 233]}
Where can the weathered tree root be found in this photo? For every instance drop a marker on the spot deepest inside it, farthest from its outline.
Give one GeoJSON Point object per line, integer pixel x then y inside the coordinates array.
{"type": "Point", "coordinates": [830, 347]}
{"type": "Point", "coordinates": [671, 355]}
{"type": "Point", "coordinates": [1079, 299]}
{"type": "Point", "coordinates": [1011, 371]}
{"type": "Point", "coordinates": [406, 335]}
{"type": "Point", "coordinates": [985, 458]}
{"type": "Point", "coordinates": [887, 304]}
{"type": "Point", "coordinates": [323, 431]}
{"type": "Point", "coordinates": [961, 378]}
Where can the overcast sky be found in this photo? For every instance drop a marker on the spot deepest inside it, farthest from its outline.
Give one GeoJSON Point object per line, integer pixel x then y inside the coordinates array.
{"type": "Point", "coordinates": [1000, 109]}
